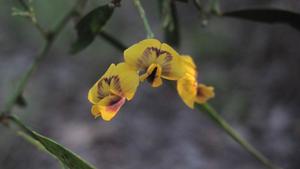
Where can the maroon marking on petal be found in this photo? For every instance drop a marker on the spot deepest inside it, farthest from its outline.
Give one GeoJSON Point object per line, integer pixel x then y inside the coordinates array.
{"type": "Point", "coordinates": [108, 80]}
{"type": "Point", "coordinates": [147, 52]}
{"type": "Point", "coordinates": [117, 84]}
{"type": "Point", "coordinates": [156, 50]}
{"type": "Point", "coordinates": [199, 92]}
{"type": "Point", "coordinates": [168, 58]}
{"type": "Point", "coordinates": [100, 92]}
{"type": "Point", "coordinates": [166, 69]}
{"type": "Point", "coordinates": [140, 63]}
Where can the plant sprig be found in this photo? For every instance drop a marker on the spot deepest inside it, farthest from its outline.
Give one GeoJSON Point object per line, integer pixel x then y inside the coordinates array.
{"type": "Point", "coordinates": [212, 113]}
{"type": "Point", "coordinates": [49, 39]}
{"type": "Point", "coordinates": [215, 116]}
{"type": "Point", "coordinates": [142, 13]}
{"type": "Point", "coordinates": [29, 13]}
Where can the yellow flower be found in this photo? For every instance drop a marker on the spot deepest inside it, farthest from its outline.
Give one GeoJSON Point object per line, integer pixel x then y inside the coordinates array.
{"type": "Point", "coordinates": [188, 88]}
{"type": "Point", "coordinates": [110, 92]}
{"type": "Point", "coordinates": [189, 65]}
{"type": "Point", "coordinates": [154, 60]}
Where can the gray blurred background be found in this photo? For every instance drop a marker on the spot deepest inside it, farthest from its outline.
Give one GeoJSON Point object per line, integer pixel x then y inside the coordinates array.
{"type": "Point", "coordinates": [253, 66]}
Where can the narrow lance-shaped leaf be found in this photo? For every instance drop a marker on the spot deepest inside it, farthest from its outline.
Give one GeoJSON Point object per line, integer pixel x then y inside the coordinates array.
{"type": "Point", "coordinates": [90, 25]}
{"type": "Point", "coordinates": [169, 22]}
{"type": "Point", "coordinates": [65, 156]}
{"type": "Point", "coordinates": [267, 15]}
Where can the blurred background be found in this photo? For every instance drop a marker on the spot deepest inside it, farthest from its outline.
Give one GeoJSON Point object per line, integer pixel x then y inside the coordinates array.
{"type": "Point", "coordinates": [253, 66]}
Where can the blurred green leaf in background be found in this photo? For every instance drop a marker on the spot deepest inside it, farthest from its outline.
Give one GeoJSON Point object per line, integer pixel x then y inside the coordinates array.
{"type": "Point", "coordinates": [267, 15]}
{"type": "Point", "coordinates": [90, 26]}
{"type": "Point", "coordinates": [168, 14]}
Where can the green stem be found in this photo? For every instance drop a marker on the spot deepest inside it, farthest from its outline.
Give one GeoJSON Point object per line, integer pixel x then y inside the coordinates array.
{"type": "Point", "coordinates": [214, 115]}
{"type": "Point", "coordinates": [215, 7]}
{"type": "Point", "coordinates": [32, 17]}
{"type": "Point", "coordinates": [48, 44]}
{"type": "Point", "coordinates": [113, 41]}
{"type": "Point", "coordinates": [141, 10]}
{"type": "Point", "coordinates": [20, 125]}
{"type": "Point", "coordinates": [24, 80]}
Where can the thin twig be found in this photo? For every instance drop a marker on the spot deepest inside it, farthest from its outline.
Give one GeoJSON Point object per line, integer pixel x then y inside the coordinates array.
{"type": "Point", "coordinates": [29, 13]}
{"type": "Point", "coordinates": [48, 44]}
{"type": "Point", "coordinates": [214, 115]}
{"type": "Point", "coordinates": [24, 5]}
{"type": "Point", "coordinates": [141, 10]}
{"type": "Point", "coordinates": [24, 80]}
{"type": "Point", "coordinates": [113, 41]}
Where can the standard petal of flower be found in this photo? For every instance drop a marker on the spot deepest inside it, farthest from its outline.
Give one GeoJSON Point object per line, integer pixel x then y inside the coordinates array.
{"type": "Point", "coordinates": [110, 71]}
{"type": "Point", "coordinates": [126, 81]}
{"type": "Point", "coordinates": [93, 94]}
{"type": "Point", "coordinates": [169, 49]}
{"type": "Point", "coordinates": [100, 88]}
{"type": "Point", "coordinates": [108, 107]}
{"type": "Point", "coordinates": [172, 65]}
{"type": "Point", "coordinates": [140, 55]}
{"type": "Point", "coordinates": [187, 89]}
{"type": "Point", "coordinates": [204, 93]}
{"type": "Point", "coordinates": [174, 70]}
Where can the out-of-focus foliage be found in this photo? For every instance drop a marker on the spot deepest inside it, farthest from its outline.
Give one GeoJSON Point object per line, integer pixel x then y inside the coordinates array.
{"type": "Point", "coordinates": [169, 19]}
{"type": "Point", "coordinates": [65, 156]}
{"type": "Point", "coordinates": [90, 26]}
{"type": "Point", "coordinates": [268, 15]}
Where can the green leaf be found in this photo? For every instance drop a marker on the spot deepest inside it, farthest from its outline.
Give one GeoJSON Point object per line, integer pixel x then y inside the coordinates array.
{"type": "Point", "coordinates": [90, 25]}
{"type": "Point", "coordinates": [65, 156]}
{"type": "Point", "coordinates": [31, 140]}
{"type": "Point", "coordinates": [268, 15]}
{"type": "Point", "coordinates": [169, 22]}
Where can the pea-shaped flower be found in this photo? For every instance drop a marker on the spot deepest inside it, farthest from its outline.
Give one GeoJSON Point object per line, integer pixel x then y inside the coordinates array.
{"type": "Point", "coordinates": [189, 89]}
{"type": "Point", "coordinates": [154, 60]}
{"type": "Point", "coordinates": [110, 92]}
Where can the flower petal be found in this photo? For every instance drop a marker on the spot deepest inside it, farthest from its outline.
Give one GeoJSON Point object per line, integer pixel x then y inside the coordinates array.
{"type": "Point", "coordinates": [108, 107]}
{"type": "Point", "coordinates": [153, 75]}
{"type": "Point", "coordinates": [125, 82]}
{"type": "Point", "coordinates": [204, 93]}
{"type": "Point", "coordinates": [149, 71]}
{"type": "Point", "coordinates": [189, 65]}
{"type": "Point", "coordinates": [100, 88]}
{"type": "Point", "coordinates": [157, 81]}
{"type": "Point", "coordinates": [110, 71]}
{"type": "Point", "coordinates": [142, 54]}
{"type": "Point", "coordinates": [93, 94]}
{"type": "Point", "coordinates": [172, 65]}
{"type": "Point", "coordinates": [187, 89]}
